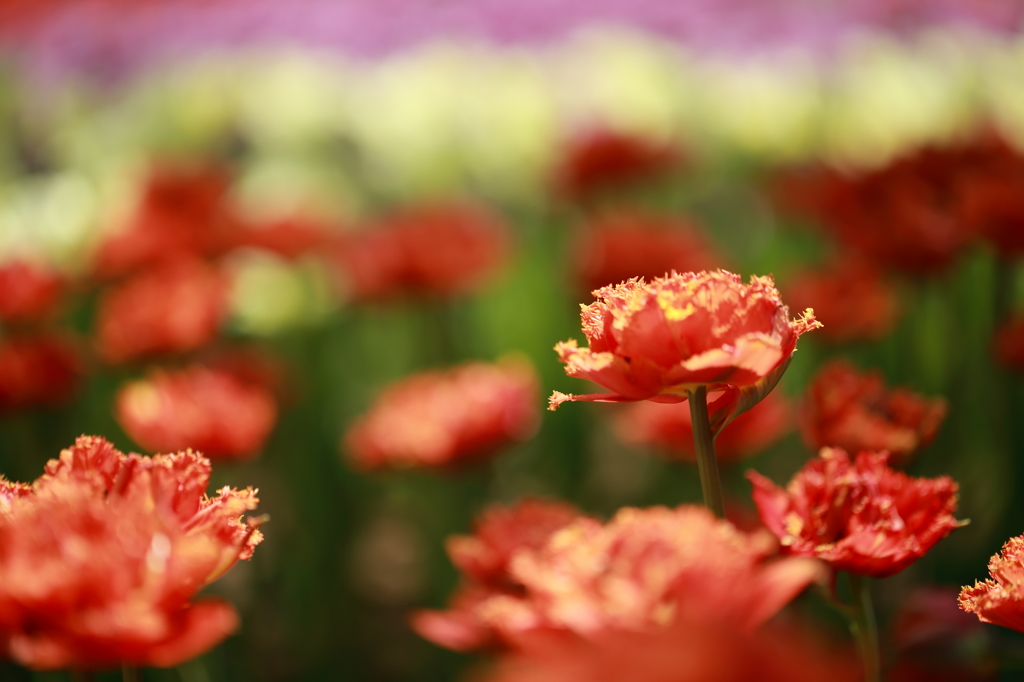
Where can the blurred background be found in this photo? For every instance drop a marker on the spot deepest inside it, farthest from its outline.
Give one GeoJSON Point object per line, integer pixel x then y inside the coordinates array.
{"type": "Point", "coordinates": [237, 226]}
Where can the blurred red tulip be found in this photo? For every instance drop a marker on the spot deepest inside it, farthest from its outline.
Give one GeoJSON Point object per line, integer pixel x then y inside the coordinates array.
{"type": "Point", "coordinates": [692, 649]}
{"type": "Point", "coordinates": [669, 428]}
{"type": "Point", "coordinates": [38, 369]}
{"type": "Point", "coordinates": [200, 408]}
{"type": "Point", "coordinates": [1008, 345]}
{"type": "Point", "coordinates": [859, 516]}
{"type": "Point", "coordinates": [433, 249]}
{"type": "Point", "coordinates": [183, 212]}
{"type": "Point", "coordinates": [605, 159]}
{"type": "Point", "coordinates": [28, 292]}
{"type": "Point", "coordinates": [447, 418]}
{"type": "Point", "coordinates": [173, 308]}
{"type": "Point", "coordinates": [659, 339]}
{"type": "Point", "coordinates": [645, 569]}
{"type": "Point", "coordinates": [101, 557]}
{"type": "Point", "coordinates": [851, 299]}
{"type": "Point", "coordinates": [620, 244]}
{"type": "Point", "coordinates": [846, 409]}
{"type": "Point", "coordinates": [484, 559]}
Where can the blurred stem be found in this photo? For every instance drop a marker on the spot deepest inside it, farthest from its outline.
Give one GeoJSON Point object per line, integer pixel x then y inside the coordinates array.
{"type": "Point", "coordinates": [80, 675]}
{"type": "Point", "coordinates": [704, 445]}
{"type": "Point", "coordinates": [129, 673]}
{"type": "Point", "coordinates": [864, 628]}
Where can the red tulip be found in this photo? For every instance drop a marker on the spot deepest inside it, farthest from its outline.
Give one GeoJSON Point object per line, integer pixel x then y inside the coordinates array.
{"type": "Point", "coordinates": [38, 369]}
{"type": "Point", "coordinates": [643, 570]}
{"type": "Point", "coordinates": [201, 408]}
{"type": "Point", "coordinates": [174, 308]}
{"type": "Point", "coordinates": [657, 340]}
{"type": "Point", "coordinates": [606, 160]}
{"type": "Point", "coordinates": [853, 411]}
{"type": "Point", "coordinates": [440, 419]}
{"type": "Point", "coordinates": [1000, 599]}
{"type": "Point", "coordinates": [620, 244]}
{"type": "Point", "coordinates": [27, 292]}
{"type": "Point", "coordinates": [859, 516]}
{"type": "Point", "coordinates": [100, 559]}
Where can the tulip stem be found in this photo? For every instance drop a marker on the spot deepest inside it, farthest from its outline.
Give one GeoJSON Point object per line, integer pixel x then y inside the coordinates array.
{"type": "Point", "coordinates": [129, 673]}
{"type": "Point", "coordinates": [864, 628]}
{"type": "Point", "coordinates": [81, 675]}
{"type": "Point", "coordinates": [704, 445]}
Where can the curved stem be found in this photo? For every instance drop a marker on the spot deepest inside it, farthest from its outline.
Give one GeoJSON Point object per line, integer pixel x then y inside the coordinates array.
{"type": "Point", "coordinates": [865, 630]}
{"type": "Point", "coordinates": [704, 445]}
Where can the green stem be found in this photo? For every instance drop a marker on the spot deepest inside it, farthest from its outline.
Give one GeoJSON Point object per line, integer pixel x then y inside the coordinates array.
{"type": "Point", "coordinates": [80, 675]}
{"type": "Point", "coordinates": [129, 673]}
{"type": "Point", "coordinates": [865, 630]}
{"type": "Point", "coordinates": [704, 445]}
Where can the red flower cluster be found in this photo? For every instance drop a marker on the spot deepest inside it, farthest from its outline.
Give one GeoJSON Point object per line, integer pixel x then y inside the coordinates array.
{"type": "Point", "coordinates": [174, 308]}
{"type": "Point", "coordinates": [620, 244]}
{"type": "Point", "coordinates": [440, 249]}
{"type": "Point", "coordinates": [440, 419]}
{"type": "Point", "coordinates": [669, 427]}
{"type": "Point", "coordinates": [102, 555]}
{"type": "Point", "coordinates": [643, 570]}
{"type": "Point", "coordinates": [859, 516]}
{"type": "Point", "coordinates": [690, 650]}
{"type": "Point", "coordinates": [918, 212]}
{"type": "Point", "coordinates": [606, 160]}
{"type": "Point", "coordinates": [854, 411]}
{"type": "Point", "coordinates": [1000, 599]}
{"type": "Point", "coordinates": [209, 410]}
{"type": "Point", "coordinates": [657, 340]}
{"type": "Point", "coordinates": [182, 213]}
{"type": "Point", "coordinates": [27, 292]}
{"type": "Point", "coordinates": [39, 369]}
{"type": "Point", "coordinates": [852, 300]}
{"type": "Point", "coordinates": [484, 559]}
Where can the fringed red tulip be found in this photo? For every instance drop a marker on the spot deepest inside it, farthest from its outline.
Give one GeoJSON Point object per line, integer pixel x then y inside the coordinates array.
{"type": "Point", "coordinates": [101, 557]}
{"type": "Point", "coordinates": [858, 516]}
{"type": "Point", "coordinates": [1000, 599]}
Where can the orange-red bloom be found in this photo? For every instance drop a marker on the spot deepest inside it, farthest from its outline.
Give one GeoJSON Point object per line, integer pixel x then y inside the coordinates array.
{"type": "Point", "coordinates": [851, 299]}
{"type": "Point", "coordinates": [200, 408]}
{"type": "Point", "coordinates": [620, 244]}
{"type": "Point", "coordinates": [183, 212]}
{"type": "Point", "coordinates": [658, 340]}
{"type": "Point", "coordinates": [444, 418]}
{"type": "Point", "coordinates": [101, 556]}
{"type": "Point", "coordinates": [691, 650]}
{"type": "Point", "coordinates": [606, 160]}
{"type": "Point", "coordinates": [174, 308]}
{"type": "Point", "coordinates": [853, 411]}
{"type": "Point", "coordinates": [1000, 599]}
{"type": "Point", "coordinates": [484, 560]}
{"type": "Point", "coordinates": [643, 570]}
{"type": "Point", "coordinates": [669, 428]}
{"type": "Point", "coordinates": [27, 292]}
{"type": "Point", "coordinates": [437, 249]}
{"type": "Point", "coordinates": [859, 516]}
{"type": "Point", "coordinates": [40, 369]}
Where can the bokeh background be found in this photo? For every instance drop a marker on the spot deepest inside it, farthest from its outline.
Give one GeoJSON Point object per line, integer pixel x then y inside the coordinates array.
{"type": "Point", "coordinates": [719, 122]}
